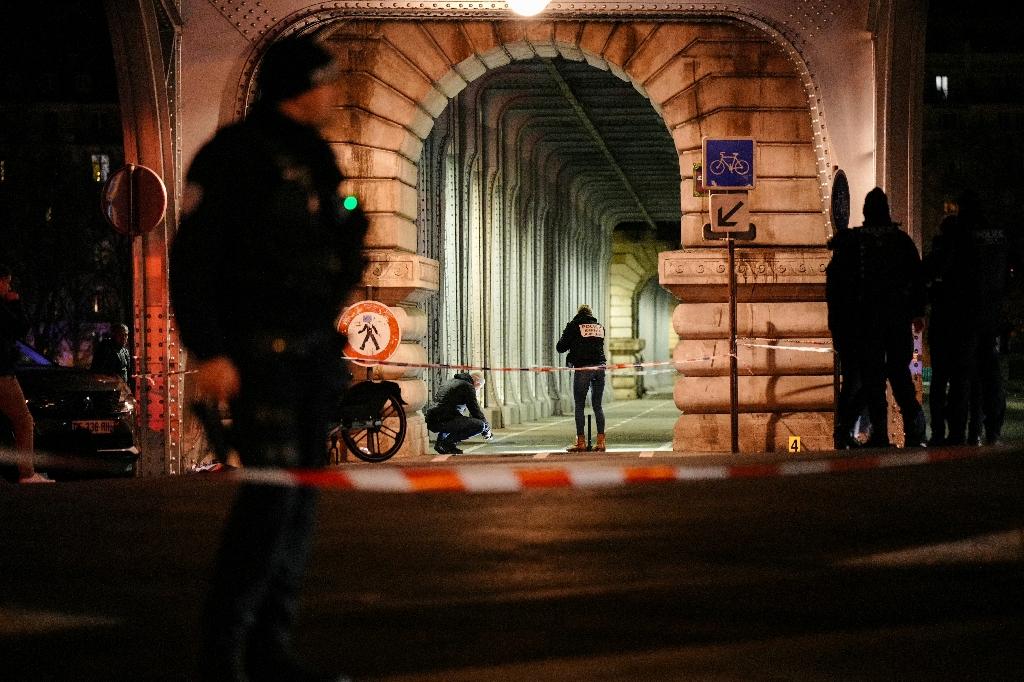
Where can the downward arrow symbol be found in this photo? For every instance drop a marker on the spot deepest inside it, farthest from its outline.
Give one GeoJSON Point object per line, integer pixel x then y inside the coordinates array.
{"type": "Point", "coordinates": [723, 220]}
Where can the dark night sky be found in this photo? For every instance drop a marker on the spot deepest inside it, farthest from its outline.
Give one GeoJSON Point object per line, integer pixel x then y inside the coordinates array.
{"type": "Point", "coordinates": [60, 52]}
{"type": "Point", "coordinates": [984, 26]}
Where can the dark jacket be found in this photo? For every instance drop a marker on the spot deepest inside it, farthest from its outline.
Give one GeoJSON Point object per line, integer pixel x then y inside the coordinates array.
{"type": "Point", "coordinates": [453, 395]}
{"type": "Point", "coordinates": [583, 338]}
{"type": "Point", "coordinates": [968, 271]}
{"type": "Point", "coordinates": [267, 252]}
{"type": "Point", "coordinates": [113, 359]}
{"type": "Point", "coordinates": [873, 279]}
{"type": "Point", "coordinates": [13, 327]}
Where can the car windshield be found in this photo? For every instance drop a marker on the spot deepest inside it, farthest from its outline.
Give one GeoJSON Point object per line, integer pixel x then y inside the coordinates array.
{"type": "Point", "coordinates": [27, 355]}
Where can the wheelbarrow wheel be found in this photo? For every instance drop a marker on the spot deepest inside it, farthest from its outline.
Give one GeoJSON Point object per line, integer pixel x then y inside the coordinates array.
{"type": "Point", "coordinates": [380, 438]}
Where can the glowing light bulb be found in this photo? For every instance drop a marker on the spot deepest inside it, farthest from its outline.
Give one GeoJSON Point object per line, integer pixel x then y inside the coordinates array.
{"type": "Point", "coordinates": [527, 8]}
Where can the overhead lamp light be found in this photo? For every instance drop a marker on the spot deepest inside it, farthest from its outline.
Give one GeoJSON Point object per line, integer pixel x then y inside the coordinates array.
{"type": "Point", "coordinates": [527, 8]}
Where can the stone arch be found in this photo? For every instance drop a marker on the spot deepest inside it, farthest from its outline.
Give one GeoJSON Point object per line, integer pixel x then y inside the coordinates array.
{"type": "Point", "coordinates": [702, 78]}
{"type": "Point", "coordinates": [720, 77]}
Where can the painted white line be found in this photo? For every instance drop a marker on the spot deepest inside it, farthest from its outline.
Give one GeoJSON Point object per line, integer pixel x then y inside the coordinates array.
{"type": "Point", "coordinates": [645, 454]}
{"type": "Point", "coordinates": [441, 458]}
{"type": "Point", "coordinates": [498, 439]}
{"type": "Point", "coordinates": [541, 455]}
{"type": "Point", "coordinates": [658, 406]}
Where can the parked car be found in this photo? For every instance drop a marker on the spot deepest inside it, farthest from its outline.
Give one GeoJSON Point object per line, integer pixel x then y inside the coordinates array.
{"type": "Point", "coordinates": [86, 419]}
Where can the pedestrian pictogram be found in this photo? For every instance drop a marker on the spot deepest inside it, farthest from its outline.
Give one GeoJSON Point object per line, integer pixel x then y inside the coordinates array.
{"type": "Point", "coordinates": [729, 162]}
{"type": "Point", "coordinates": [372, 331]}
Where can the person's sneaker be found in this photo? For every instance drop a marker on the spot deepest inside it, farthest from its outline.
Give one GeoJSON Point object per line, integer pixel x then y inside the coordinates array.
{"type": "Point", "coordinates": [442, 447]}
{"type": "Point", "coordinates": [36, 477]}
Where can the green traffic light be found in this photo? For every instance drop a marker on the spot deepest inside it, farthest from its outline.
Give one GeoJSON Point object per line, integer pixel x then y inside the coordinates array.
{"type": "Point", "coordinates": [350, 203]}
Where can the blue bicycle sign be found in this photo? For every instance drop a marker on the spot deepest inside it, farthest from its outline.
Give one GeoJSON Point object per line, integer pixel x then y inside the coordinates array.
{"type": "Point", "coordinates": [729, 162]}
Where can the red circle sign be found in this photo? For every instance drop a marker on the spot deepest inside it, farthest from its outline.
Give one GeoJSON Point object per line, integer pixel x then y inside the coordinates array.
{"type": "Point", "coordinates": [372, 331]}
{"type": "Point", "coordinates": [134, 200]}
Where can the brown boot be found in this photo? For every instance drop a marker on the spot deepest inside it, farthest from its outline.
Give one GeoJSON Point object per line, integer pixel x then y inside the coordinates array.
{"type": "Point", "coordinates": [580, 446]}
{"type": "Point", "coordinates": [600, 445]}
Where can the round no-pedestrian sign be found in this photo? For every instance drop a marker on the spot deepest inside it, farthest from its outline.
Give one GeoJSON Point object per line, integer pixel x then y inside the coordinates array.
{"type": "Point", "coordinates": [372, 331]}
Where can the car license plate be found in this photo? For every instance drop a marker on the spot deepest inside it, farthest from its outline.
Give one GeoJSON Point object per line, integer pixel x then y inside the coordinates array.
{"type": "Point", "coordinates": [95, 425]}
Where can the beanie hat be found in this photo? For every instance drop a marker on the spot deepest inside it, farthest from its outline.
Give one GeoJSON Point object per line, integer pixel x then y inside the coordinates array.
{"type": "Point", "coordinates": [876, 208]}
{"type": "Point", "coordinates": [293, 66]}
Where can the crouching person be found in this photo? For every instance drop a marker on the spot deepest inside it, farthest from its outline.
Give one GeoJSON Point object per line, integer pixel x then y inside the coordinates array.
{"type": "Point", "coordinates": [456, 414]}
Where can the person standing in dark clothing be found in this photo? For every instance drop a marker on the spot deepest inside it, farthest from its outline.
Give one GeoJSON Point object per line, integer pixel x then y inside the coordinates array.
{"type": "Point", "coordinates": [113, 357]}
{"type": "Point", "coordinates": [456, 414]}
{"type": "Point", "coordinates": [261, 266]}
{"type": "Point", "coordinates": [875, 292]}
{"type": "Point", "coordinates": [583, 339]}
{"type": "Point", "coordinates": [971, 261]}
{"type": "Point", "coordinates": [942, 334]}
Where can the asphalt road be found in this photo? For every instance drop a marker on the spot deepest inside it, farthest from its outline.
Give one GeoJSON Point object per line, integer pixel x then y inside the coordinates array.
{"type": "Point", "coordinates": [914, 572]}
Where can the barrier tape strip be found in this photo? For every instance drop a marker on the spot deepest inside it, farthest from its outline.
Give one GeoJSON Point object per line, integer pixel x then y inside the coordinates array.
{"type": "Point", "coordinates": [639, 367]}
{"type": "Point", "coordinates": [496, 478]}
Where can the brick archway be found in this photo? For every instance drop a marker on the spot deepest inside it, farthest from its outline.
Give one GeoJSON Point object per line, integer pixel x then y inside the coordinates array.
{"type": "Point", "coordinates": [705, 79]}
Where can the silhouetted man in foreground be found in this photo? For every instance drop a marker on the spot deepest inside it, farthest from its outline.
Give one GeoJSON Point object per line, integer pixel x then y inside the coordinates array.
{"type": "Point", "coordinates": [260, 268]}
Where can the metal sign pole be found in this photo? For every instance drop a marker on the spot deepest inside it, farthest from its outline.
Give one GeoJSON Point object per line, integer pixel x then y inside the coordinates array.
{"type": "Point", "coordinates": [734, 417]}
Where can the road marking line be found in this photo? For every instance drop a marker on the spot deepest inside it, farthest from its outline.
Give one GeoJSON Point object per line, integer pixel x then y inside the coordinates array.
{"type": "Point", "coordinates": [659, 406]}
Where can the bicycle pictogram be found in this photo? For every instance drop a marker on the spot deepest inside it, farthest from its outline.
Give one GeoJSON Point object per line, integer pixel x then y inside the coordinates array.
{"type": "Point", "coordinates": [731, 162]}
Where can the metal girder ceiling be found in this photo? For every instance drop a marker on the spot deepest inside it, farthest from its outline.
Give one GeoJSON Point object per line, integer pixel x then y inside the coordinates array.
{"type": "Point", "coordinates": [598, 127]}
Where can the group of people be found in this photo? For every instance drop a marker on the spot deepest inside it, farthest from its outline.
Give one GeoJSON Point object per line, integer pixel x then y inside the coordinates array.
{"type": "Point", "coordinates": [879, 292]}
{"type": "Point", "coordinates": [967, 274]}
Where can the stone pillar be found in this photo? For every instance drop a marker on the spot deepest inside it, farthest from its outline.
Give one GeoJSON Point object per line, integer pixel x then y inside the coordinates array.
{"type": "Point", "coordinates": [782, 392]}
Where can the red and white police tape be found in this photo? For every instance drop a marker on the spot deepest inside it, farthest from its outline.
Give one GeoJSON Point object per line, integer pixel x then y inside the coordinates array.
{"type": "Point", "coordinates": [497, 478]}
{"type": "Point", "coordinates": [655, 367]}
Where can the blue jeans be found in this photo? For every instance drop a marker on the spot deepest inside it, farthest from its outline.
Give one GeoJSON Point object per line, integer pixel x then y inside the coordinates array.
{"type": "Point", "coordinates": [592, 380]}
